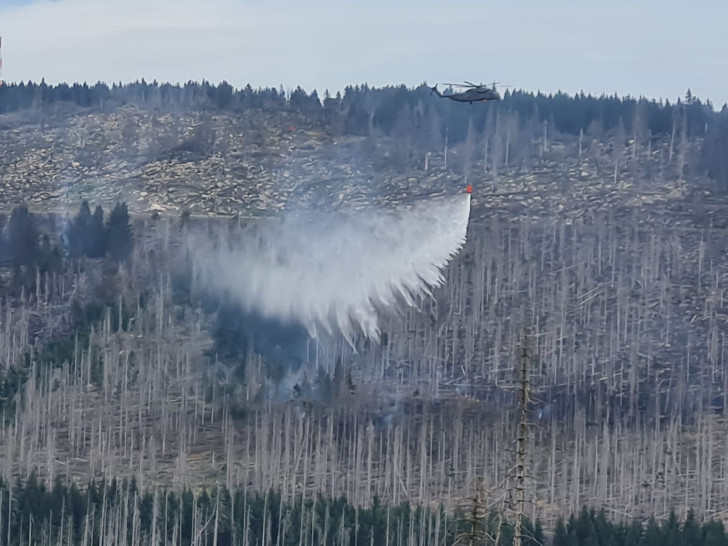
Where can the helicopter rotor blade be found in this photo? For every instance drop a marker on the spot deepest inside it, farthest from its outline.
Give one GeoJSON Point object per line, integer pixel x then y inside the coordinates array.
{"type": "Point", "coordinates": [457, 85]}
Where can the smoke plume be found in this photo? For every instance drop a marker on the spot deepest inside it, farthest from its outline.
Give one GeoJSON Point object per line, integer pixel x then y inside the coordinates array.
{"type": "Point", "coordinates": [332, 272]}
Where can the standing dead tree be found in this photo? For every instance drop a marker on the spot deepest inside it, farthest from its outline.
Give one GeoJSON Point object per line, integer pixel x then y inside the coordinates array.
{"type": "Point", "coordinates": [477, 516]}
{"type": "Point", "coordinates": [524, 399]}
{"type": "Point", "coordinates": [478, 531]}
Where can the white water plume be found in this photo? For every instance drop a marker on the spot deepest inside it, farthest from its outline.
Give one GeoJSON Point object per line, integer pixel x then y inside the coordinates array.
{"type": "Point", "coordinates": [334, 270]}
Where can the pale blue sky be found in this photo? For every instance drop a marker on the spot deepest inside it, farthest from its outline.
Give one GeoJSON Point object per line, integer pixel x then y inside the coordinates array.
{"type": "Point", "coordinates": [639, 47]}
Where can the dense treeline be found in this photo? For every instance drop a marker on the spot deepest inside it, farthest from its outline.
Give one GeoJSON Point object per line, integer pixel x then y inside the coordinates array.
{"type": "Point", "coordinates": [126, 514]}
{"type": "Point", "coordinates": [361, 107]}
{"type": "Point", "coordinates": [23, 245]}
{"type": "Point", "coordinates": [32, 252]}
{"type": "Point", "coordinates": [123, 512]}
{"type": "Point", "coordinates": [593, 528]}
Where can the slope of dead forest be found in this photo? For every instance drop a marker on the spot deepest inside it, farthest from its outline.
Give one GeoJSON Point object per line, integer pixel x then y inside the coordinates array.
{"type": "Point", "coordinates": [260, 162]}
{"type": "Point", "coordinates": [605, 257]}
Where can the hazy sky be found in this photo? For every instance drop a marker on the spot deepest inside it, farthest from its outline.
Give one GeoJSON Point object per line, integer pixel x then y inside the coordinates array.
{"type": "Point", "coordinates": [638, 47]}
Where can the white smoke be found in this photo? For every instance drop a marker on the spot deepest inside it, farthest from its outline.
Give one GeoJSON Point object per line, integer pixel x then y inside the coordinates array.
{"type": "Point", "coordinates": [334, 270]}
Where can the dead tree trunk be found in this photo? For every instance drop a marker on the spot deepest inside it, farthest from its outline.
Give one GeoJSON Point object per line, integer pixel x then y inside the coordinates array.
{"type": "Point", "coordinates": [524, 397]}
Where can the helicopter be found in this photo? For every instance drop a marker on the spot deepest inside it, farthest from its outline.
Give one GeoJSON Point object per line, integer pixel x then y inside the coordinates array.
{"type": "Point", "coordinates": [473, 93]}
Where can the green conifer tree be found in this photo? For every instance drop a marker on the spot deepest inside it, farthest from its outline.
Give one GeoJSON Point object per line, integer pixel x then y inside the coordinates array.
{"type": "Point", "coordinates": [97, 235]}
{"type": "Point", "coordinates": [120, 241]}
{"type": "Point", "coordinates": [714, 534]}
{"type": "Point", "coordinates": [79, 231]}
{"type": "Point", "coordinates": [22, 241]}
{"type": "Point", "coordinates": [692, 535]}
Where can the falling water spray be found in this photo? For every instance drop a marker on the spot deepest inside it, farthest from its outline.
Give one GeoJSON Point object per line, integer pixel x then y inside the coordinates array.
{"type": "Point", "coordinates": [333, 271]}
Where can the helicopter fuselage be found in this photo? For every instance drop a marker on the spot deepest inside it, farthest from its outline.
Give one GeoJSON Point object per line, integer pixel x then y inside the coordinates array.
{"type": "Point", "coordinates": [462, 98]}
{"type": "Point", "coordinates": [471, 95]}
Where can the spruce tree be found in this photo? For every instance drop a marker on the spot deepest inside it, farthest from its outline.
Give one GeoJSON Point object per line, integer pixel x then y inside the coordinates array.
{"type": "Point", "coordinates": [672, 530]}
{"type": "Point", "coordinates": [561, 537]}
{"type": "Point", "coordinates": [79, 231]}
{"type": "Point", "coordinates": [22, 242]}
{"type": "Point", "coordinates": [714, 534]}
{"type": "Point", "coordinates": [692, 535]}
{"type": "Point", "coordinates": [119, 234]}
{"type": "Point", "coordinates": [96, 242]}
{"type": "Point", "coordinates": [633, 534]}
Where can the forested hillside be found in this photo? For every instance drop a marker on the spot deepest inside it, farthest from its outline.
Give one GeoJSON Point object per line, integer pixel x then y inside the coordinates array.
{"type": "Point", "coordinates": [596, 242]}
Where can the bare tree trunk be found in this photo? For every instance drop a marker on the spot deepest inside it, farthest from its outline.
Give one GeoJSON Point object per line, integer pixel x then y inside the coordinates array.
{"type": "Point", "coordinates": [524, 391]}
